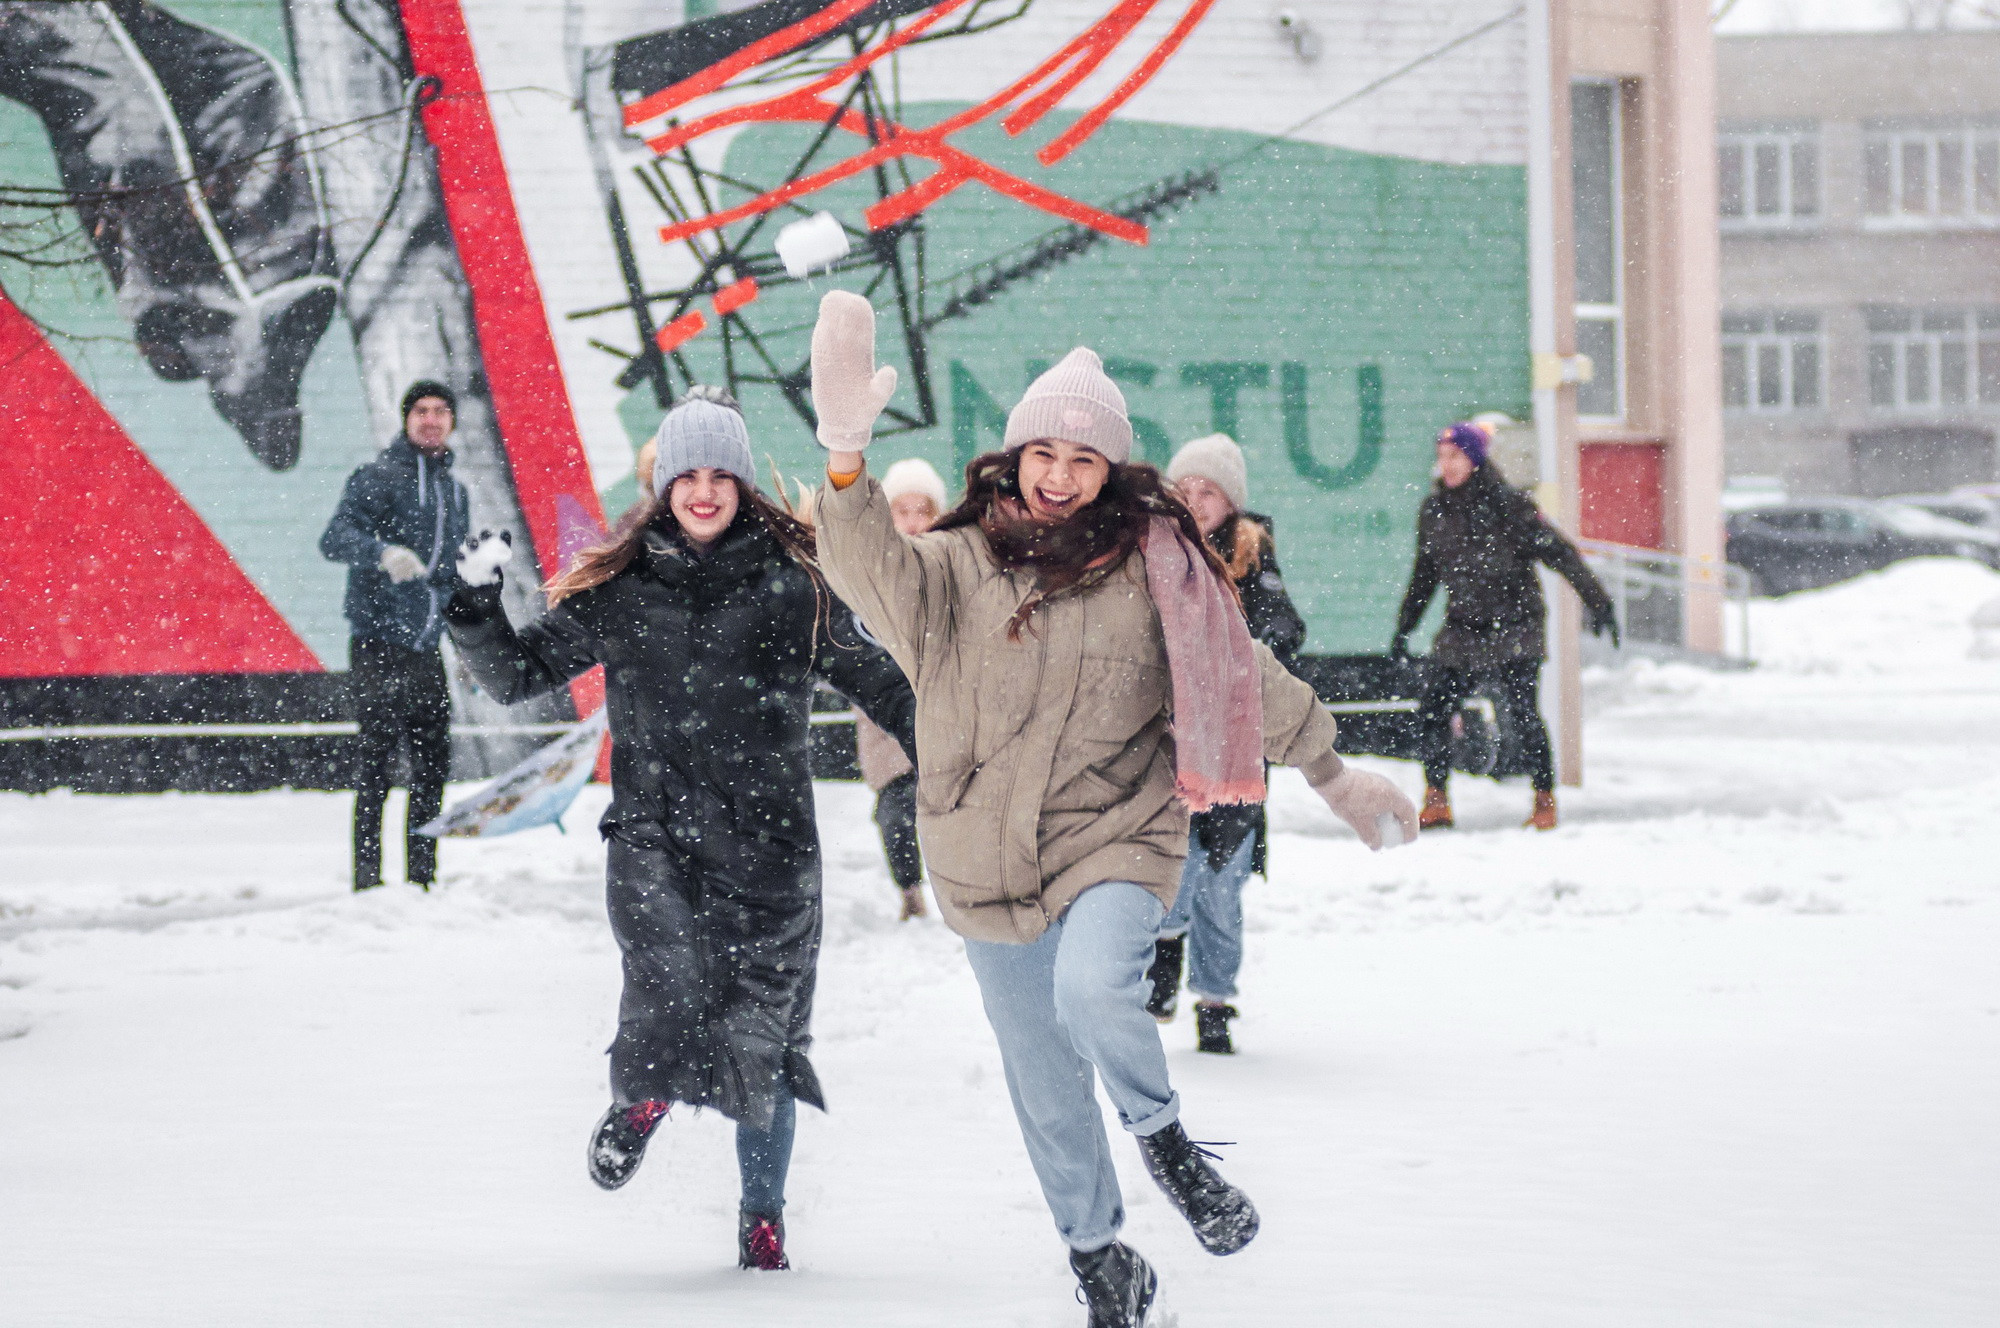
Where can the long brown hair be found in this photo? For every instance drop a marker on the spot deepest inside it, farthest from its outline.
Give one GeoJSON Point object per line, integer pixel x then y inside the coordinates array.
{"type": "Point", "coordinates": [1072, 555]}
{"type": "Point", "coordinates": [599, 563]}
{"type": "Point", "coordinates": [1241, 543]}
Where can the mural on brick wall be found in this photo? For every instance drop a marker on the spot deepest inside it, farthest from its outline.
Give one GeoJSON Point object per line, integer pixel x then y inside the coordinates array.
{"type": "Point", "coordinates": [236, 229]}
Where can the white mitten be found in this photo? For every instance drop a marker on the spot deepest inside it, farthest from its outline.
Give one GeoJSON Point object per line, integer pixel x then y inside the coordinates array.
{"type": "Point", "coordinates": [401, 564]}
{"type": "Point", "coordinates": [1367, 801]}
{"type": "Point", "coordinates": [481, 557]}
{"type": "Point", "coordinates": [848, 391]}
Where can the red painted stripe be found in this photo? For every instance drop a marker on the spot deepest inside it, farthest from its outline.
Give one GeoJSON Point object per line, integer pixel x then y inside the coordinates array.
{"type": "Point", "coordinates": [530, 400]}
{"type": "Point", "coordinates": [1094, 119]}
{"type": "Point", "coordinates": [756, 53]}
{"type": "Point", "coordinates": [734, 296]}
{"type": "Point", "coordinates": [680, 331]}
{"type": "Point", "coordinates": [104, 568]}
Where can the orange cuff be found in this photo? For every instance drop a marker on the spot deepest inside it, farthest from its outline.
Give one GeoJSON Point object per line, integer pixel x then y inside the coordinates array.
{"type": "Point", "coordinates": [840, 480]}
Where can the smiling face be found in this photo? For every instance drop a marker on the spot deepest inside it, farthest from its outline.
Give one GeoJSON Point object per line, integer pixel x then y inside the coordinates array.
{"type": "Point", "coordinates": [429, 424]}
{"type": "Point", "coordinates": [1060, 479]}
{"type": "Point", "coordinates": [1454, 466]}
{"type": "Point", "coordinates": [1205, 498]}
{"type": "Point", "coordinates": [704, 501]}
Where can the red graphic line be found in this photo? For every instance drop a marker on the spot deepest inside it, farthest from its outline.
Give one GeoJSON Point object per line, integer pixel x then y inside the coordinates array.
{"type": "Point", "coordinates": [734, 296]}
{"type": "Point", "coordinates": [754, 111]}
{"type": "Point", "coordinates": [1065, 142]}
{"type": "Point", "coordinates": [680, 331]}
{"type": "Point", "coordinates": [1075, 61]}
{"type": "Point", "coordinates": [1094, 45]}
{"type": "Point", "coordinates": [756, 53]}
{"type": "Point", "coordinates": [956, 168]}
{"type": "Point", "coordinates": [530, 401]}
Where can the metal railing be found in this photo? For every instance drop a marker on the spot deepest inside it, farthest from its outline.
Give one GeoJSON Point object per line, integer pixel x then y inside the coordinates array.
{"type": "Point", "coordinates": [1650, 588]}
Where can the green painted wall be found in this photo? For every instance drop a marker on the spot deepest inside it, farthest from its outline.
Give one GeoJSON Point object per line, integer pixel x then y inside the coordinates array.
{"type": "Point", "coordinates": [1328, 309]}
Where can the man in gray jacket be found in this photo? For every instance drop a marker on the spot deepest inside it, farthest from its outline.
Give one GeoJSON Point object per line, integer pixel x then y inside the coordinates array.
{"type": "Point", "coordinates": [400, 520]}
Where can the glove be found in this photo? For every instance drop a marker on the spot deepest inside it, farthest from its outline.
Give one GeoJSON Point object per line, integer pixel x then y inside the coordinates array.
{"type": "Point", "coordinates": [481, 557]}
{"type": "Point", "coordinates": [401, 564]}
{"type": "Point", "coordinates": [848, 391]}
{"type": "Point", "coordinates": [1605, 619]}
{"type": "Point", "coordinates": [1399, 647]}
{"type": "Point", "coordinates": [1361, 798]}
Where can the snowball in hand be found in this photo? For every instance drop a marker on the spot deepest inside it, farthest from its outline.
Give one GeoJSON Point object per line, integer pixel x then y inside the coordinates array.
{"type": "Point", "coordinates": [481, 557]}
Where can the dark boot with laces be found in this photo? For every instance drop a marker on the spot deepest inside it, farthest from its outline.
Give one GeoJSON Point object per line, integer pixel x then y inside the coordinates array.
{"type": "Point", "coordinates": [1223, 1218]}
{"type": "Point", "coordinates": [618, 1144]}
{"type": "Point", "coordinates": [1165, 975]}
{"type": "Point", "coordinates": [1115, 1285]}
{"type": "Point", "coordinates": [1211, 1028]}
{"type": "Point", "coordinates": [760, 1242]}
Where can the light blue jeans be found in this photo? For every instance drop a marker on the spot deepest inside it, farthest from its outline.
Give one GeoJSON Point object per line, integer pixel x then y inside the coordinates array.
{"type": "Point", "coordinates": [763, 1157]}
{"type": "Point", "coordinates": [1068, 1007]}
{"type": "Point", "coordinates": [1209, 912]}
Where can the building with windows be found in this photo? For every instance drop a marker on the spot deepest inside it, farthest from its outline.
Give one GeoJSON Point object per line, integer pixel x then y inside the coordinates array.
{"type": "Point", "coordinates": [1858, 193]}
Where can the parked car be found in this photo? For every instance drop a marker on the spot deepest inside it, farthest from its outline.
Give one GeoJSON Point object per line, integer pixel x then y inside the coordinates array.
{"type": "Point", "coordinates": [1816, 542]}
{"type": "Point", "coordinates": [1966, 505]}
{"type": "Point", "coordinates": [1942, 536]}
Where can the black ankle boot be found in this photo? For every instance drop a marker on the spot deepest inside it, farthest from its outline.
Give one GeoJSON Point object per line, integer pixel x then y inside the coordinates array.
{"type": "Point", "coordinates": [618, 1144]}
{"type": "Point", "coordinates": [1165, 975]}
{"type": "Point", "coordinates": [1115, 1285]}
{"type": "Point", "coordinates": [1223, 1218]}
{"type": "Point", "coordinates": [1211, 1027]}
{"type": "Point", "coordinates": [760, 1241]}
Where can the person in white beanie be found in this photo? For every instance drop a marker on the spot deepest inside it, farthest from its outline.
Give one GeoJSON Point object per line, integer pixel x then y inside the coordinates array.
{"type": "Point", "coordinates": [1084, 677]}
{"type": "Point", "coordinates": [712, 625]}
{"type": "Point", "coordinates": [1225, 844]}
{"type": "Point", "coordinates": [916, 500]}
{"type": "Point", "coordinates": [916, 494]}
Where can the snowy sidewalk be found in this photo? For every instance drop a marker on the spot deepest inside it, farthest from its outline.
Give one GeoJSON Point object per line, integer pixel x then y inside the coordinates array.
{"type": "Point", "coordinates": [1724, 1050]}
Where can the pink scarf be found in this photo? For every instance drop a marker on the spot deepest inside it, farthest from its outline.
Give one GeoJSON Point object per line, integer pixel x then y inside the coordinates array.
{"type": "Point", "coordinates": [1218, 688]}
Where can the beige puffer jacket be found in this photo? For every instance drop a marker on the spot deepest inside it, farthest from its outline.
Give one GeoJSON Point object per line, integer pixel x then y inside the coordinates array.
{"type": "Point", "coordinates": [1044, 765]}
{"type": "Point", "coordinates": [881, 758]}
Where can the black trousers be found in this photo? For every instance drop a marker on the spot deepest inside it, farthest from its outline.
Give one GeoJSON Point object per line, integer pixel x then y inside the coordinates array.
{"type": "Point", "coordinates": [399, 697]}
{"type": "Point", "coordinates": [896, 818]}
{"type": "Point", "coordinates": [1520, 681]}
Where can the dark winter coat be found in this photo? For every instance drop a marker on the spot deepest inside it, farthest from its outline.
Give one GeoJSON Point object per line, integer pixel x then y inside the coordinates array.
{"type": "Point", "coordinates": [1481, 542]}
{"type": "Point", "coordinates": [1244, 543]}
{"type": "Point", "coordinates": [401, 497]}
{"type": "Point", "coordinates": [710, 664]}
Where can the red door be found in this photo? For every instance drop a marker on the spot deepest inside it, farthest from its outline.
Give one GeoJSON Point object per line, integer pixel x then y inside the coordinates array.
{"type": "Point", "coordinates": [1622, 495]}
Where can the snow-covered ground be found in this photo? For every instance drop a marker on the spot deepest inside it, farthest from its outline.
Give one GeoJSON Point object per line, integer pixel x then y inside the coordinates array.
{"type": "Point", "coordinates": [1724, 1050]}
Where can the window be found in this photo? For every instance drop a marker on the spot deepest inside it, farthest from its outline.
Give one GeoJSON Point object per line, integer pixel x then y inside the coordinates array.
{"type": "Point", "coordinates": [1933, 359]}
{"type": "Point", "coordinates": [1767, 177]}
{"type": "Point", "coordinates": [1596, 198]}
{"type": "Point", "coordinates": [1932, 177]}
{"type": "Point", "coordinates": [1772, 361]}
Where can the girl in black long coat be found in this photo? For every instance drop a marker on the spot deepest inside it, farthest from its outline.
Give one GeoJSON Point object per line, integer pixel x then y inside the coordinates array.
{"type": "Point", "coordinates": [712, 623]}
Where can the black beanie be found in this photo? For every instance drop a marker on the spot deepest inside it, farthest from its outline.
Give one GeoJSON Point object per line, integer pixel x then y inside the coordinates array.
{"type": "Point", "coordinates": [429, 387]}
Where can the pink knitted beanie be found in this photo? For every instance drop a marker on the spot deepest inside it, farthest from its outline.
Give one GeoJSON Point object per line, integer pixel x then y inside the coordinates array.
{"type": "Point", "coordinates": [1077, 403]}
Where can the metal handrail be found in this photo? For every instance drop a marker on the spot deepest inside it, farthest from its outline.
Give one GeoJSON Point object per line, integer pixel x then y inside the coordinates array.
{"type": "Point", "coordinates": [1626, 566]}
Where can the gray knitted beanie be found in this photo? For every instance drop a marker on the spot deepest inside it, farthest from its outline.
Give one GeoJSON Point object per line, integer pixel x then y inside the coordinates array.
{"type": "Point", "coordinates": [702, 431]}
{"type": "Point", "coordinates": [1077, 403]}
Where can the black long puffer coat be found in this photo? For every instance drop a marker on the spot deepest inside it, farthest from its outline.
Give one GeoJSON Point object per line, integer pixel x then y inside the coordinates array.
{"type": "Point", "coordinates": [1481, 542]}
{"type": "Point", "coordinates": [714, 872]}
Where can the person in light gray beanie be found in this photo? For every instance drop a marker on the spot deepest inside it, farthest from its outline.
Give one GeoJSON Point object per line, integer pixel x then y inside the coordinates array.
{"type": "Point", "coordinates": [1075, 401]}
{"type": "Point", "coordinates": [705, 429]}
